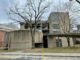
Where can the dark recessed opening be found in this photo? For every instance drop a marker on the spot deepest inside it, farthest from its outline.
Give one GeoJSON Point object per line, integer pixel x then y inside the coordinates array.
{"type": "Point", "coordinates": [45, 42]}
{"type": "Point", "coordinates": [77, 41]}
{"type": "Point", "coordinates": [38, 45]}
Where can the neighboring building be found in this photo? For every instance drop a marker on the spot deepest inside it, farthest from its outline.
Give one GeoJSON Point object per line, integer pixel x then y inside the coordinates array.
{"type": "Point", "coordinates": [2, 39]}
{"type": "Point", "coordinates": [8, 27]}
{"type": "Point", "coordinates": [4, 29]}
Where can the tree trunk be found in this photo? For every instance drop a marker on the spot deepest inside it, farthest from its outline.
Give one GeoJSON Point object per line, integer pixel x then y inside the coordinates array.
{"type": "Point", "coordinates": [74, 41]}
{"type": "Point", "coordinates": [68, 40]}
{"type": "Point", "coordinates": [33, 43]}
{"type": "Point", "coordinates": [33, 37]}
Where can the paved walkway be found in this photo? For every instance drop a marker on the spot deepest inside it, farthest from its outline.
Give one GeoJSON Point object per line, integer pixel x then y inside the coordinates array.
{"type": "Point", "coordinates": [40, 56]}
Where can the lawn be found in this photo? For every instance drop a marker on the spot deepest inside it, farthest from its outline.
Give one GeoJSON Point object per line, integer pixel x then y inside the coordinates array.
{"type": "Point", "coordinates": [54, 50]}
{"type": "Point", "coordinates": [8, 50]}
{"type": "Point", "coordinates": [75, 49]}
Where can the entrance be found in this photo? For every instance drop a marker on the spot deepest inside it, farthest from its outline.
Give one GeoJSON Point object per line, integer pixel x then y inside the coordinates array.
{"type": "Point", "coordinates": [45, 42]}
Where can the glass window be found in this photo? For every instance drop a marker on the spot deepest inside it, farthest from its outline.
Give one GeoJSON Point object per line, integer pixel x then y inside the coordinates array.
{"type": "Point", "coordinates": [56, 26]}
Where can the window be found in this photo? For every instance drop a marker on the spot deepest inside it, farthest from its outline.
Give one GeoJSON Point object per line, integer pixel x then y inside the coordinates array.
{"type": "Point", "coordinates": [58, 43]}
{"type": "Point", "coordinates": [56, 32]}
{"type": "Point", "coordinates": [56, 26]}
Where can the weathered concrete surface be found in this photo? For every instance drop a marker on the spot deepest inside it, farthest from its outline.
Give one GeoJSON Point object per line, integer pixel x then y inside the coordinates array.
{"type": "Point", "coordinates": [60, 18]}
{"type": "Point", "coordinates": [21, 39]}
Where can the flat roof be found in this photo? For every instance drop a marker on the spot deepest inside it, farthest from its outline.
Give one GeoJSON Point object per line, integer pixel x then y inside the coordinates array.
{"type": "Point", "coordinates": [66, 35]}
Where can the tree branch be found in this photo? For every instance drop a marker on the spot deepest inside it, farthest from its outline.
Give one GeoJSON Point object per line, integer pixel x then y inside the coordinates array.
{"type": "Point", "coordinates": [78, 1]}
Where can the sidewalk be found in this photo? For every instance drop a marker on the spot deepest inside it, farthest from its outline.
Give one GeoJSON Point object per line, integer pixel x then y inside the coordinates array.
{"type": "Point", "coordinates": [43, 56]}
{"type": "Point", "coordinates": [40, 54]}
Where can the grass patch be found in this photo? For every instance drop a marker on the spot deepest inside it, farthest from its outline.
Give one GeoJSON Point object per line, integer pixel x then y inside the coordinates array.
{"type": "Point", "coordinates": [8, 50]}
{"type": "Point", "coordinates": [54, 50]}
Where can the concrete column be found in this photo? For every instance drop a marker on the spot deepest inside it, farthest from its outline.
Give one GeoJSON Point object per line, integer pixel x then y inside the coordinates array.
{"type": "Point", "coordinates": [71, 42]}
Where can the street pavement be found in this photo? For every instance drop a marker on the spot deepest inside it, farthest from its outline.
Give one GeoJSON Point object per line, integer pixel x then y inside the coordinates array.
{"type": "Point", "coordinates": [45, 58]}
{"type": "Point", "coordinates": [39, 56]}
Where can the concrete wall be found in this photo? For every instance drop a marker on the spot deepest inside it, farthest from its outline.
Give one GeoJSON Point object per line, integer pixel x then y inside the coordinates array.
{"type": "Point", "coordinates": [71, 42]}
{"type": "Point", "coordinates": [22, 39]}
{"type": "Point", "coordinates": [39, 37]}
{"type": "Point", "coordinates": [52, 41]}
{"type": "Point", "coordinates": [60, 18]}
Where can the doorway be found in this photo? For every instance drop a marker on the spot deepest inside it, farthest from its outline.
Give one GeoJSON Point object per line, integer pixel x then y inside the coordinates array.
{"type": "Point", "coordinates": [45, 42]}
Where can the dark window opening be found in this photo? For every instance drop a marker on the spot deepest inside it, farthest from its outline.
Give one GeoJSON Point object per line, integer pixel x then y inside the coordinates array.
{"type": "Point", "coordinates": [56, 26]}
{"type": "Point", "coordinates": [77, 40]}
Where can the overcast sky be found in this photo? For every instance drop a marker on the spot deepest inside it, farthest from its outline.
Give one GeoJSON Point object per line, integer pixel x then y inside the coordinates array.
{"type": "Point", "coordinates": [5, 3]}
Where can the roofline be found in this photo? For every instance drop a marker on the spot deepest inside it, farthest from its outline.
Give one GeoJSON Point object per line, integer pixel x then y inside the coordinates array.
{"type": "Point", "coordinates": [66, 35]}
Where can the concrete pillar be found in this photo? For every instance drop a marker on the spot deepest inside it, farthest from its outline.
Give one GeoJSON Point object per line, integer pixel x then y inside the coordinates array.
{"type": "Point", "coordinates": [64, 41]}
{"type": "Point", "coordinates": [71, 42]}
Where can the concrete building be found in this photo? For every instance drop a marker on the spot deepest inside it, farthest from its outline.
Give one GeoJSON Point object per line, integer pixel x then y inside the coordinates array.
{"type": "Point", "coordinates": [21, 39]}
{"type": "Point", "coordinates": [55, 33]}
{"type": "Point", "coordinates": [59, 23]}
{"type": "Point", "coordinates": [2, 39]}
{"type": "Point", "coordinates": [4, 29]}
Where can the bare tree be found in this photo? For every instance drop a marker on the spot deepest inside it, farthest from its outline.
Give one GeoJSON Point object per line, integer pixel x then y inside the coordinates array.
{"type": "Point", "coordinates": [78, 1]}
{"type": "Point", "coordinates": [31, 12]}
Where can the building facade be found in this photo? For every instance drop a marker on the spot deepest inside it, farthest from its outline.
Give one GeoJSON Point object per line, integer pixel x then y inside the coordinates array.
{"type": "Point", "coordinates": [21, 39]}
{"type": "Point", "coordinates": [2, 39]}
{"type": "Point", "coordinates": [55, 33]}
{"type": "Point", "coordinates": [59, 22]}
{"type": "Point", "coordinates": [4, 29]}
